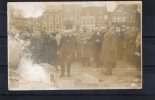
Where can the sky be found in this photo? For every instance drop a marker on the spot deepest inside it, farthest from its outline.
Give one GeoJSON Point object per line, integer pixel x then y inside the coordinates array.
{"type": "Point", "coordinates": [36, 9]}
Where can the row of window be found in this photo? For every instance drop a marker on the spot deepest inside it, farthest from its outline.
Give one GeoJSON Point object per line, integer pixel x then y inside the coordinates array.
{"type": "Point", "coordinates": [45, 21]}
{"type": "Point", "coordinates": [123, 19]}
{"type": "Point", "coordinates": [119, 19]}
{"type": "Point", "coordinates": [46, 28]}
{"type": "Point", "coordinates": [88, 21]}
{"type": "Point", "coordinates": [88, 27]}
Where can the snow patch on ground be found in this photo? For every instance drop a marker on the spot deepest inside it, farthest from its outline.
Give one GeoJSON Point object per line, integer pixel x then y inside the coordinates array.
{"type": "Point", "coordinates": [32, 72]}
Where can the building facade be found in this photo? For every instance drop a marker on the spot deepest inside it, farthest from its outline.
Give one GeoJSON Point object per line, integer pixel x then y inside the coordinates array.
{"type": "Point", "coordinates": [125, 15]}
{"type": "Point", "coordinates": [50, 21]}
{"type": "Point", "coordinates": [56, 18]}
{"type": "Point", "coordinates": [87, 22]}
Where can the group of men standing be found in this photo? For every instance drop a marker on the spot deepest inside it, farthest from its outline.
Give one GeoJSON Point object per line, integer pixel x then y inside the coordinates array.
{"type": "Point", "coordinates": [102, 47]}
{"type": "Point", "coordinates": [49, 48]}
{"type": "Point", "coordinates": [44, 48]}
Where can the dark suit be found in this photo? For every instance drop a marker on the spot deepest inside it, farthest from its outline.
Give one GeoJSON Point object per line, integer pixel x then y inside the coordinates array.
{"type": "Point", "coordinates": [37, 48]}
{"type": "Point", "coordinates": [97, 44]}
{"type": "Point", "coordinates": [51, 50]}
{"type": "Point", "coordinates": [67, 53]}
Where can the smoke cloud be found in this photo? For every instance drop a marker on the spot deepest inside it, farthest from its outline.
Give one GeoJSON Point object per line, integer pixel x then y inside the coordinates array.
{"type": "Point", "coordinates": [28, 9]}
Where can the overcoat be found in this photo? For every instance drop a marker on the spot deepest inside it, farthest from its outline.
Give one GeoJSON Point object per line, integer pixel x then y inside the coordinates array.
{"type": "Point", "coordinates": [109, 48]}
{"type": "Point", "coordinates": [67, 49]}
{"type": "Point", "coordinates": [37, 48]}
{"type": "Point", "coordinates": [86, 49]}
{"type": "Point", "coordinates": [51, 49]}
{"type": "Point", "coordinates": [85, 44]}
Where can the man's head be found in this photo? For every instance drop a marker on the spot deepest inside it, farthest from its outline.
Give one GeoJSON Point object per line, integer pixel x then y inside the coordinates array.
{"type": "Point", "coordinates": [53, 34]}
{"type": "Point", "coordinates": [43, 32]}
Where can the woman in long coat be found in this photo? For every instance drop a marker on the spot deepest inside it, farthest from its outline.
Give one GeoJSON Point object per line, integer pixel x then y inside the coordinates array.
{"type": "Point", "coordinates": [109, 52]}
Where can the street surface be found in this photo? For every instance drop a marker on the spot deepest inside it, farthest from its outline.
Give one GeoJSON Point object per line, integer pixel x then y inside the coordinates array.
{"type": "Point", "coordinates": [39, 77]}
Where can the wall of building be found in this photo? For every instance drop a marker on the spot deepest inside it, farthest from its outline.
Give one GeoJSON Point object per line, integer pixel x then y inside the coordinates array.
{"type": "Point", "coordinates": [75, 17]}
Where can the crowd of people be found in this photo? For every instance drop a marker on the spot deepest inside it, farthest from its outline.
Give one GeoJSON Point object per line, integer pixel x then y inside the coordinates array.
{"type": "Point", "coordinates": [102, 47]}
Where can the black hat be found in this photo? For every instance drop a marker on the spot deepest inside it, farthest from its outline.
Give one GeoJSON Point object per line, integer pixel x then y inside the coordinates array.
{"type": "Point", "coordinates": [53, 33]}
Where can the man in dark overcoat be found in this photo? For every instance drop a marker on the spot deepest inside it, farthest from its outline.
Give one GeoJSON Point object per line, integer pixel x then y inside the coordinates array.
{"type": "Point", "coordinates": [109, 52]}
{"type": "Point", "coordinates": [44, 36]}
{"type": "Point", "coordinates": [97, 39]}
{"type": "Point", "coordinates": [86, 51]}
{"type": "Point", "coordinates": [67, 53]}
{"type": "Point", "coordinates": [120, 43]}
{"type": "Point", "coordinates": [37, 47]}
{"type": "Point", "coordinates": [86, 46]}
{"type": "Point", "coordinates": [51, 49]}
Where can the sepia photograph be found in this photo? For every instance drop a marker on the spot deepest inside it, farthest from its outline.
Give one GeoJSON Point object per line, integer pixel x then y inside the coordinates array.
{"type": "Point", "coordinates": [74, 45]}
